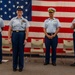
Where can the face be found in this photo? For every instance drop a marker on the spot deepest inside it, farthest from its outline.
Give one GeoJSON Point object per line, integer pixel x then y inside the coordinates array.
{"type": "Point", "coordinates": [19, 13]}
{"type": "Point", "coordinates": [51, 15]}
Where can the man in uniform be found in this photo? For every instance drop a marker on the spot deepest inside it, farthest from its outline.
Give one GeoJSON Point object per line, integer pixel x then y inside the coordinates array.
{"type": "Point", "coordinates": [1, 27]}
{"type": "Point", "coordinates": [19, 27]}
{"type": "Point", "coordinates": [73, 27]}
{"type": "Point", "coordinates": [51, 28]}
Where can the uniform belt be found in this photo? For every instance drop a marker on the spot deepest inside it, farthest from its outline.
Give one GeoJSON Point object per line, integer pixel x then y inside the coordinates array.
{"type": "Point", "coordinates": [50, 33]}
{"type": "Point", "coordinates": [18, 31]}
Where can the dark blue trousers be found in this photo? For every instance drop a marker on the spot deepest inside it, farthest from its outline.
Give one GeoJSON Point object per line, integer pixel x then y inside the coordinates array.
{"type": "Point", "coordinates": [74, 42]}
{"type": "Point", "coordinates": [53, 43]}
{"type": "Point", "coordinates": [0, 47]}
{"type": "Point", "coordinates": [18, 49]}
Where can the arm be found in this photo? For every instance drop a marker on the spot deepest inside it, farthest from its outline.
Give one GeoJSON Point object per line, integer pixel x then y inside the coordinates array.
{"type": "Point", "coordinates": [2, 24]}
{"type": "Point", "coordinates": [73, 26]}
{"type": "Point", "coordinates": [49, 36]}
{"type": "Point", "coordinates": [45, 32]}
{"type": "Point", "coordinates": [9, 34]}
{"type": "Point", "coordinates": [10, 29]}
{"type": "Point", "coordinates": [26, 36]}
{"type": "Point", "coordinates": [44, 29]}
{"type": "Point", "coordinates": [57, 30]}
{"type": "Point", "coordinates": [27, 31]}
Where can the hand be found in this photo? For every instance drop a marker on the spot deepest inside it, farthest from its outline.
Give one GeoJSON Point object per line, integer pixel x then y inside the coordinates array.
{"type": "Point", "coordinates": [9, 40]}
{"type": "Point", "coordinates": [50, 36]}
{"type": "Point", "coordinates": [53, 35]}
{"type": "Point", "coordinates": [25, 41]}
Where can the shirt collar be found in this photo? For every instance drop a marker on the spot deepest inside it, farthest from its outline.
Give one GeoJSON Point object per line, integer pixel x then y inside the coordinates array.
{"type": "Point", "coordinates": [20, 18]}
{"type": "Point", "coordinates": [51, 19]}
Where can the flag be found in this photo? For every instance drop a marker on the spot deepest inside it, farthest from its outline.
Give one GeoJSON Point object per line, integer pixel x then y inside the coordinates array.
{"type": "Point", "coordinates": [8, 8]}
{"type": "Point", "coordinates": [65, 12]}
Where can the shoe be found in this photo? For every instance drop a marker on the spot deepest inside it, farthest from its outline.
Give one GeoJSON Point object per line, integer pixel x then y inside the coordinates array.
{"type": "Point", "coordinates": [46, 63]}
{"type": "Point", "coordinates": [14, 69]}
{"type": "Point", "coordinates": [54, 64]}
{"type": "Point", "coordinates": [0, 62]}
{"type": "Point", "coordinates": [73, 64]}
{"type": "Point", "coordinates": [20, 70]}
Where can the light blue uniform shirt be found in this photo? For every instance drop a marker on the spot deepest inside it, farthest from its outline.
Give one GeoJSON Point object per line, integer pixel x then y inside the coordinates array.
{"type": "Point", "coordinates": [72, 23]}
{"type": "Point", "coordinates": [51, 25]}
{"type": "Point", "coordinates": [19, 23]}
{"type": "Point", "coordinates": [1, 24]}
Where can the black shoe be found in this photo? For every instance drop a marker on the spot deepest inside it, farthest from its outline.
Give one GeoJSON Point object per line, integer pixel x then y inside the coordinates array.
{"type": "Point", "coordinates": [73, 64]}
{"type": "Point", "coordinates": [14, 69]}
{"type": "Point", "coordinates": [0, 62]}
{"type": "Point", "coordinates": [54, 64]}
{"type": "Point", "coordinates": [46, 63]}
{"type": "Point", "coordinates": [20, 70]}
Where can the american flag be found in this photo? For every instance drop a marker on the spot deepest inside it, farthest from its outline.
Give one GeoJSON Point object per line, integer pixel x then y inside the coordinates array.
{"type": "Point", "coordinates": [8, 8]}
{"type": "Point", "coordinates": [65, 12]}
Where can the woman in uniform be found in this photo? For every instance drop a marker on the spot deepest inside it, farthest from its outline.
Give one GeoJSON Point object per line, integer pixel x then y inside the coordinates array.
{"type": "Point", "coordinates": [51, 29]}
{"type": "Point", "coordinates": [19, 28]}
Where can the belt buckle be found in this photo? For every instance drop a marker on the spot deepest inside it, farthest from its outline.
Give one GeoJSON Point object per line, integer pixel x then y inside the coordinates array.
{"type": "Point", "coordinates": [17, 30]}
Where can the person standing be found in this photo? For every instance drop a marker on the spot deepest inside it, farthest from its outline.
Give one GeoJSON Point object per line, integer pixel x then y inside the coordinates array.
{"type": "Point", "coordinates": [51, 28]}
{"type": "Point", "coordinates": [73, 27]}
{"type": "Point", "coordinates": [19, 28]}
{"type": "Point", "coordinates": [1, 27]}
